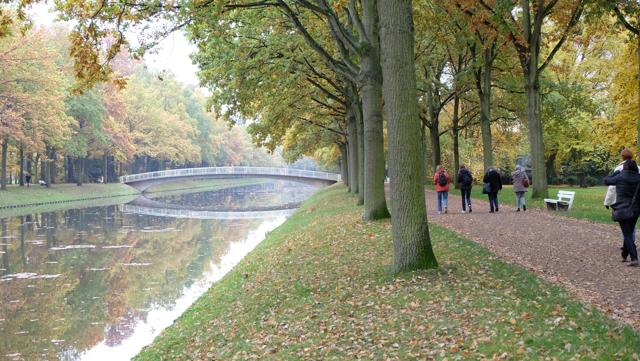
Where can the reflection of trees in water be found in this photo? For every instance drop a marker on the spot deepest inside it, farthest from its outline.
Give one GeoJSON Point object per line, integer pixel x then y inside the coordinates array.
{"type": "Point", "coordinates": [83, 302]}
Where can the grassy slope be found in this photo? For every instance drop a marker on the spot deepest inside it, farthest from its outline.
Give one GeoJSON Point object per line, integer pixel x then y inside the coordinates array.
{"type": "Point", "coordinates": [318, 288]}
{"type": "Point", "coordinates": [586, 205]}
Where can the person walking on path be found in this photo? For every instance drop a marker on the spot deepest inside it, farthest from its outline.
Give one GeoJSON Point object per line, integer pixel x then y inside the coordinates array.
{"type": "Point", "coordinates": [465, 182]}
{"type": "Point", "coordinates": [441, 180]}
{"type": "Point", "coordinates": [626, 209]}
{"type": "Point", "coordinates": [520, 187]}
{"type": "Point", "coordinates": [610, 197]}
{"type": "Point", "coordinates": [492, 185]}
{"type": "Point", "coordinates": [27, 178]}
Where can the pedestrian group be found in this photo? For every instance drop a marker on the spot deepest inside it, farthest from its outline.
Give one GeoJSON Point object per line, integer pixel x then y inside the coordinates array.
{"type": "Point", "coordinates": [492, 185]}
{"type": "Point", "coordinates": [623, 196]}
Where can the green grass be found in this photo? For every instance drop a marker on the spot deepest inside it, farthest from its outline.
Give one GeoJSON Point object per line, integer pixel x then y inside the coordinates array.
{"type": "Point", "coordinates": [17, 201]}
{"type": "Point", "coordinates": [200, 185]}
{"type": "Point", "coordinates": [21, 196]}
{"type": "Point", "coordinates": [52, 207]}
{"type": "Point", "coordinates": [319, 287]}
{"type": "Point", "coordinates": [588, 203]}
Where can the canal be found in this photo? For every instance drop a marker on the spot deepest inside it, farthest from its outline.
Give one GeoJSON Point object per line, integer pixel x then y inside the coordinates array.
{"type": "Point", "coordinates": [100, 283]}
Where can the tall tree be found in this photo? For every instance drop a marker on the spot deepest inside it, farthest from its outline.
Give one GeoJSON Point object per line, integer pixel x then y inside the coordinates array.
{"type": "Point", "coordinates": [522, 24]}
{"type": "Point", "coordinates": [411, 241]}
{"type": "Point", "coordinates": [628, 14]}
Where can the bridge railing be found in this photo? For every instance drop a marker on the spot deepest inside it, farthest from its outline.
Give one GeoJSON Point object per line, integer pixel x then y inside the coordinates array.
{"type": "Point", "coordinates": [257, 171]}
{"type": "Point", "coordinates": [183, 213]}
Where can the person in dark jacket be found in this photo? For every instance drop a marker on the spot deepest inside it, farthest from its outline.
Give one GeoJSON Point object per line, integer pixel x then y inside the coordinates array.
{"type": "Point", "coordinates": [626, 182]}
{"type": "Point", "coordinates": [493, 182]}
{"type": "Point", "coordinates": [465, 182]}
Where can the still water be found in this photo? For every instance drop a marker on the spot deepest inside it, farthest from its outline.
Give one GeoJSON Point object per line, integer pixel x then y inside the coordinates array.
{"type": "Point", "coordinates": [100, 283]}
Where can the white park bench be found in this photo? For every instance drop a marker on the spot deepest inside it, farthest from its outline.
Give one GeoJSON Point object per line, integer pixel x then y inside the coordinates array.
{"type": "Point", "coordinates": [563, 202]}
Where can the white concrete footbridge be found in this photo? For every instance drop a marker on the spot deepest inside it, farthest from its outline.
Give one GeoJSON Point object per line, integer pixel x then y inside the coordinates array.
{"type": "Point", "coordinates": [142, 181]}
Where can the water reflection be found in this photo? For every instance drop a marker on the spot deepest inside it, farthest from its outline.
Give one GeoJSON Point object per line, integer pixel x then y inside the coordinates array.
{"type": "Point", "coordinates": [273, 195]}
{"type": "Point", "coordinates": [98, 283]}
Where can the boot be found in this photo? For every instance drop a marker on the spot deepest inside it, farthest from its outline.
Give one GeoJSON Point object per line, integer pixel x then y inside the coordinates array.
{"type": "Point", "coordinates": [633, 263]}
{"type": "Point", "coordinates": [524, 207]}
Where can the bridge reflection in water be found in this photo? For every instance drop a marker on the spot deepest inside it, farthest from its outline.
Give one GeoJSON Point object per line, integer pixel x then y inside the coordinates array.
{"type": "Point", "coordinates": [197, 214]}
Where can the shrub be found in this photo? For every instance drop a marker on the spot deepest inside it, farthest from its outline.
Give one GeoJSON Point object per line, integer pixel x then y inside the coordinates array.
{"type": "Point", "coordinates": [591, 181]}
{"type": "Point", "coordinates": [572, 180]}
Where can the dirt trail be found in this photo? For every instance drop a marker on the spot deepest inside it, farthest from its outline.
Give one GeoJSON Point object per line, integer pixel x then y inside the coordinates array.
{"type": "Point", "coordinates": [581, 256]}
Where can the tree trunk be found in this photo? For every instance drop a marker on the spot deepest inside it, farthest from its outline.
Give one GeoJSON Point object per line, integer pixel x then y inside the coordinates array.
{"type": "Point", "coordinates": [423, 150]}
{"type": "Point", "coordinates": [536, 141]}
{"type": "Point", "coordinates": [53, 169]}
{"type": "Point", "coordinates": [21, 165]}
{"type": "Point", "coordinates": [79, 168]}
{"type": "Point", "coordinates": [551, 165]}
{"type": "Point", "coordinates": [344, 164]}
{"type": "Point", "coordinates": [375, 204]}
{"type": "Point", "coordinates": [456, 135]}
{"type": "Point", "coordinates": [105, 168]}
{"type": "Point", "coordinates": [436, 153]}
{"type": "Point", "coordinates": [29, 165]}
{"type": "Point", "coordinates": [47, 171]}
{"type": "Point", "coordinates": [3, 172]}
{"type": "Point", "coordinates": [410, 230]}
{"type": "Point", "coordinates": [43, 166]}
{"type": "Point", "coordinates": [425, 156]}
{"type": "Point", "coordinates": [360, 129]}
{"type": "Point", "coordinates": [70, 170]}
{"type": "Point", "coordinates": [352, 132]}
{"type": "Point", "coordinates": [35, 164]}
{"type": "Point", "coordinates": [484, 92]}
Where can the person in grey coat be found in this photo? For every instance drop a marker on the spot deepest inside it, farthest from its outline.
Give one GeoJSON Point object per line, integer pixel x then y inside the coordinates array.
{"type": "Point", "coordinates": [520, 186]}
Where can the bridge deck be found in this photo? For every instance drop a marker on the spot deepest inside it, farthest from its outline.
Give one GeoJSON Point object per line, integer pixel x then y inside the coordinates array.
{"type": "Point", "coordinates": [231, 171]}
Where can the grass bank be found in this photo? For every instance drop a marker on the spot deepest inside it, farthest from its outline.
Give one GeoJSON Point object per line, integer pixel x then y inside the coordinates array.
{"type": "Point", "coordinates": [319, 288]}
{"type": "Point", "coordinates": [200, 185]}
{"type": "Point", "coordinates": [588, 203]}
{"type": "Point", "coordinates": [16, 196]}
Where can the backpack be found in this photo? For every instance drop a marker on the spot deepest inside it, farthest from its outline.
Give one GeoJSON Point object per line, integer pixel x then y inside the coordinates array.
{"type": "Point", "coordinates": [442, 179]}
{"type": "Point", "coordinates": [465, 179]}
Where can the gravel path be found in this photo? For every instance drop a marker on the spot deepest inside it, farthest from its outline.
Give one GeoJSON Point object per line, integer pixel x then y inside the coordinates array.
{"type": "Point", "coordinates": [582, 256]}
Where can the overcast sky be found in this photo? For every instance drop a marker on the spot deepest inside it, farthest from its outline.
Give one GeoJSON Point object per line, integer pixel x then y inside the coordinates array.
{"type": "Point", "coordinates": [172, 53]}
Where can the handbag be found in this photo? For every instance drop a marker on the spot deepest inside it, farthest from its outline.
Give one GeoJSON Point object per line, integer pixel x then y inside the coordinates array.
{"type": "Point", "coordinates": [625, 210]}
{"type": "Point", "coordinates": [486, 188]}
{"type": "Point", "coordinates": [525, 182]}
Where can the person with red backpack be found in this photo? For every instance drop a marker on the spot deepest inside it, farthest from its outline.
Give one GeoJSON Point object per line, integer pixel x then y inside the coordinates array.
{"type": "Point", "coordinates": [441, 180]}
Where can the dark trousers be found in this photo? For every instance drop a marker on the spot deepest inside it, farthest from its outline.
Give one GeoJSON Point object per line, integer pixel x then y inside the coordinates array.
{"type": "Point", "coordinates": [493, 201]}
{"type": "Point", "coordinates": [466, 198]}
{"type": "Point", "coordinates": [629, 248]}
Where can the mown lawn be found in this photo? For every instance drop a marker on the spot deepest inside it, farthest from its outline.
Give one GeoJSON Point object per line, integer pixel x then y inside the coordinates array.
{"type": "Point", "coordinates": [588, 203]}
{"type": "Point", "coordinates": [20, 196]}
{"type": "Point", "coordinates": [319, 288]}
